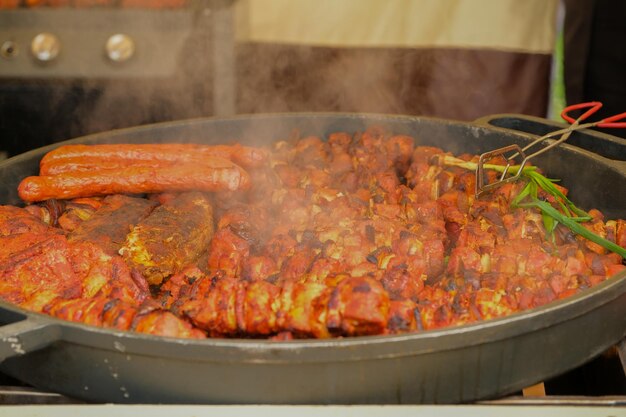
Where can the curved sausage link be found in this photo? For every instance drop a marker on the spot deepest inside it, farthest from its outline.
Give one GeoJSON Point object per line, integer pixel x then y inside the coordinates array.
{"type": "Point", "coordinates": [72, 158]}
{"type": "Point", "coordinates": [214, 174]}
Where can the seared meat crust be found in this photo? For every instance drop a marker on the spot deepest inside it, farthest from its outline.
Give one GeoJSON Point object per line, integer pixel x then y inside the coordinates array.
{"type": "Point", "coordinates": [111, 223]}
{"type": "Point", "coordinates": [362, 234]}
{"type": "Point", "coordinates": [173, 236]}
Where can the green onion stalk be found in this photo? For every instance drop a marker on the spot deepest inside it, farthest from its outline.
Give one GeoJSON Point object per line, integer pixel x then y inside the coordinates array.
{"type": "Point", "coordinates": [569, 215]}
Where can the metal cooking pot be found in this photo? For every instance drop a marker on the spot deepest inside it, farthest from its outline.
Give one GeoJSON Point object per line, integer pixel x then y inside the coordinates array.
{"type": "Point", "coordinates": [456, 364]}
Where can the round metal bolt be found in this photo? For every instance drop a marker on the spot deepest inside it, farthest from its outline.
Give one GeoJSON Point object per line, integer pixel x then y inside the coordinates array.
{"type": "Point", "coordinates": [120, 47]}
{"type": "Point", "coordinates": [8, 49]}
{"type": "Point", "coordinates": [45, 47]}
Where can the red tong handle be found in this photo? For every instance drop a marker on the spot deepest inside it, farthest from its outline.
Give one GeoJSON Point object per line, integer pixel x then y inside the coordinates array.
{"type": "Point", "coordinates": [593, 106]}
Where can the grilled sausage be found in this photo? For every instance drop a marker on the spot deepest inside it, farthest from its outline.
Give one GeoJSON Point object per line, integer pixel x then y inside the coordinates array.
{"type": "Point", "coordinates": [214, 174]}
{"type": "Point", "coordinates": [72, 158]}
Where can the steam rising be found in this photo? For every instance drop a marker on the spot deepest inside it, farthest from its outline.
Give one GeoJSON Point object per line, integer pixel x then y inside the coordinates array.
{"type": "Point", "coordinates": [305, 78]}
{"type": "Point", "coordinates": [168, 78]}
{"type": "Point", "coordinates": [273, 77]}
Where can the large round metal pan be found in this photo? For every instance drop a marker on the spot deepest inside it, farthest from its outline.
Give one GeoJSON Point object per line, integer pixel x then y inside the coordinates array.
{"type": "Point", "coordinates": [456, 364]}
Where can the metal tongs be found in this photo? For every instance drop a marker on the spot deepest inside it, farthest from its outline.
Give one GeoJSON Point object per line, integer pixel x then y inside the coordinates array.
{"type": "Point", "coordinates": [482, 187]}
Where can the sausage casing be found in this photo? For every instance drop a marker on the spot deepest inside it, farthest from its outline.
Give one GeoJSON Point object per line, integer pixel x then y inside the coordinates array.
{"type": "Point", "coordinates": [213, 174]}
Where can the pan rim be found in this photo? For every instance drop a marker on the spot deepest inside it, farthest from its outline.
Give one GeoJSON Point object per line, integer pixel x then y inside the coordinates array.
{"type": "Point", "coordinates": [497, 329]}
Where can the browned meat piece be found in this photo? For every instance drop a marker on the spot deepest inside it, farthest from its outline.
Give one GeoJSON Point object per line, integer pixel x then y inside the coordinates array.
{"type": "Point", "coordinates": [34, 264]}
{"type": "Point", "coordinates": [38, 273]}
{"type": "Point", "coordinates": [403, 317]}
{"type": "Point", "coordinates": [164, 323]}
{"type": "Point", "coordinates": [257, 268]}
{"type": "Point", "coordinates": [227, 252]}
{"type": "Point", "coordinates": [98, 311]}
{"type": "Point", "coordinates": [227, 307]}
{"type": "Point", "coordinates": [13, 245]}
{"type": "Point", "coordinates": [399, 149]}
{"type": "Point", "coordinates": [303, 309]}
{"type": "Point", "coordinates": [239, 230]}
{"type": "Point", "coordinates": [15, 220]}
{"type": "Point", "coordinates": [105, 275]}
{"type": "Point", "coordinates": [38, 266]}
{"type": "Point", "coordinates": [363, 234]}
{"type": "Point", "coordinates": [173, 236]}
{"type": "Point", "coordinates": [48, 212]}
{"type": "Point", "coordinates": [177, 286]}
{"type": "Point", "coordinates": [257, 308]}
{"type": "Point", "coordinates": [358, 306]}
{"type": "Point", "coordinates": [118, 314]}
{"type": "Point", "coordinates": [102, 311]}
{"type": "Point", "coordinates": [110, 224]}
{"type": "Point", "coordinates": [211, 305]}
{"type": "Point", "coordinates": [77, 211]}
{"type": "Point", "coordinates": [620, 234]}
{"type": "Point", "coordinates": [54, 269]}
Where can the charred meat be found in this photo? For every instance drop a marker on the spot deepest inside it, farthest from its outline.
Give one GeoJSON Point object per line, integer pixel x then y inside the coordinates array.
{"type": "Point", "coordinates": [111, 223]}
{"type": "Point", "coordinates": [360, 234]}
{"type": "Point", "coordinates": [173, 236]}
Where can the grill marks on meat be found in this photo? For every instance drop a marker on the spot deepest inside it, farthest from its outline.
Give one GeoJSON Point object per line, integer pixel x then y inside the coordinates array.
{"type": "Point", "coordinates": [77, 211]}
{"type": "Point", "coordinates": [109, 225]}
{"type": "Point", "coordinates": [39, 266]}
{"type": "Point", "coordinates": [105, 275]}
{"type": "Point", "coordinates": [97, 311]}
{"type": "Point", "coordinates": [14, 220]}
{"type": "Point", "coordinates": [120, 315]}
{"type": "Point", "coordinates": [164, 323]}
{"type": "Point", "coordinates": [38, 273]}
{"type": "Point", "coordinates": [173, 236]}
{"type": "Point", "coordinates": [362, 234]}
{"type": "Point", "coordinates": [42, 271]}
{"type": "Point", "coordinates": [230, 307]}
{"type": "Point", "coordinates": [324, 230]}
{"type": "Point", "coordinates": [82, 278]}
{"type": "Point", "coordinates": [341, 247]}
{"type": "Point", "coordinates": [34, 266]}
{"type": "Point", "coordinates": [499, 259]}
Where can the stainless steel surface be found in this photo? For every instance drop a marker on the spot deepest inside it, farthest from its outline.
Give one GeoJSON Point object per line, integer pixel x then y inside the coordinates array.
{"type": "Point", "coordinates": [309, 411]}
{"type": "Point", "coordinates": [120, 47]}
{"type": "Point", "coordinates": [16, 395]}
{"type": "Point", "coordinates": [482, 187]}
{"type": "Point", "coordinates": [159, 39]}
{"type": "Point", "coordinates": [8, 49]}
{"type": "Point", "coordinates": [45, 47]}
{"type": "Point", "coordinates": [564, 134]}
{"type": "Point", "coordinates": [563, 400]}
{"type": "Point", "coordinates": [600, 143]}
{"type": "Point", "coordinates": [191, 47]}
